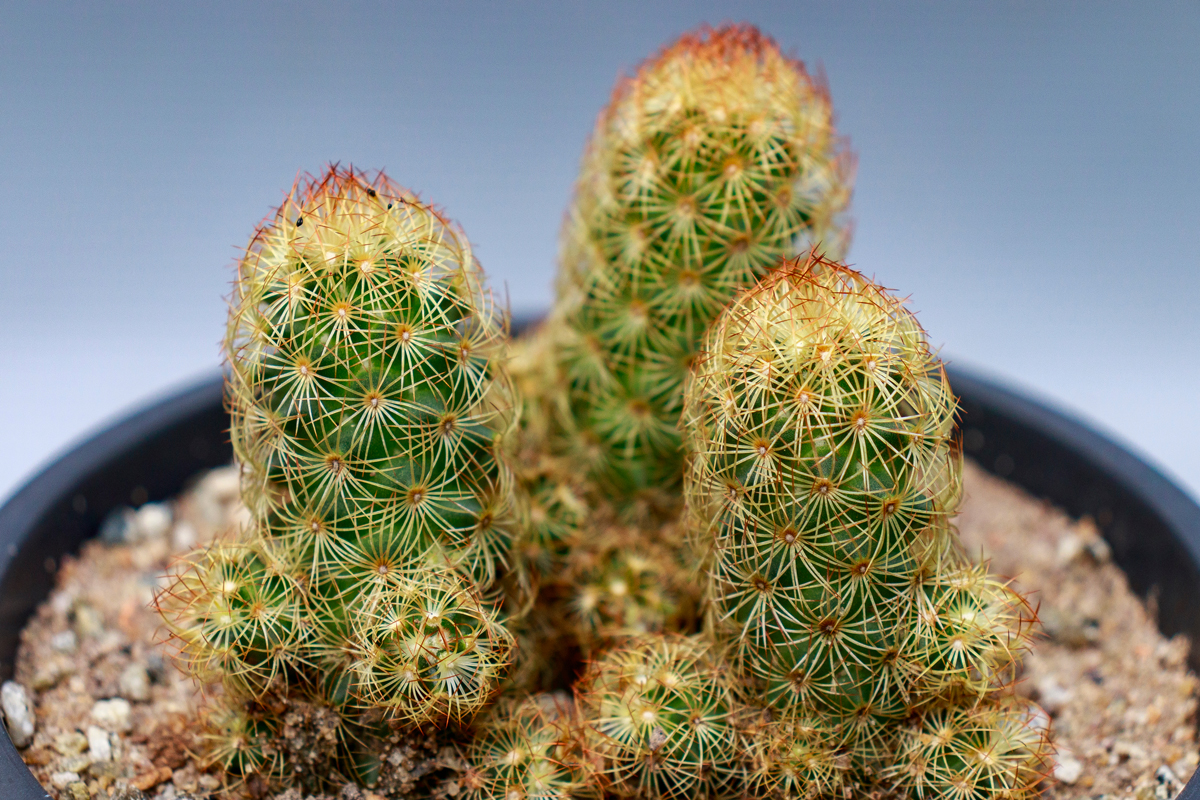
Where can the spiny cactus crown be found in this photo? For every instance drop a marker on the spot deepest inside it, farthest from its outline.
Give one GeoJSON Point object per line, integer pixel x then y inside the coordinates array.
{"type": "Point", "coordinates": [716, 160]}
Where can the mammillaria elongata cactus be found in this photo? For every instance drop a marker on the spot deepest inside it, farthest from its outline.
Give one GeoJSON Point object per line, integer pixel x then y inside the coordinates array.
{"type": "Point", "coordinates": [369, 404]}
{"type": "Point", "coordinates": [715, 160]}
{"type": "Point", "coordinates": [822, 482]}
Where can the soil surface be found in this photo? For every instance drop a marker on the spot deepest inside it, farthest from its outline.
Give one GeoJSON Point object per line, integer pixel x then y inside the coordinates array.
{"type": "Point", "coordinates": [113, 718]}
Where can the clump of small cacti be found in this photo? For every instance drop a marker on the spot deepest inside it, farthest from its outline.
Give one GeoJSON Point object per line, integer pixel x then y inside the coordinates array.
{"type": "Point", "coordinates": [789, 618]}
{"type": "Point", "coordinates": [821, 486]}
{"type": "Point", "coordinates": [370, 411]}
{"type": "Point", "coordinates": [718, 158]}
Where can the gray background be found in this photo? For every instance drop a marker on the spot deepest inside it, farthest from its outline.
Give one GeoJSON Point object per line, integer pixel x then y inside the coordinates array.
{"type": "Point", "coordinates": [1027, 174]}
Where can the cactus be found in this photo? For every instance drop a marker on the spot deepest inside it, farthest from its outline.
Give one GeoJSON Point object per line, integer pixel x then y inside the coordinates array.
{"type": "Point", "coordinates": [371, 411]}
{"type": "Point", "coordinates": [660, 721]}
{"type": "Point", "coordinates": [821, 486]}
{"type": "Point", "coordinates": [526, 749]}
{"type": "Point", "coordinates": [795, 758]}
{"type": "Point", "coordinates": [715, 160]}
{"type": "Point", "coordinates": [993, 749]}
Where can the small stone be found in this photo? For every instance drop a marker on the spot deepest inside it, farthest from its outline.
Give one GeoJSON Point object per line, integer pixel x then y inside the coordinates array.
{"type": "Point", "coordinates": [75, 763]}
{"type": "Point", "coordinates": [209, 782]}
{"type": "Point", "coordinates": [1169, 784]}
{"type": "Point", "coordinates": [1069, 628]}
{"type": "Point", "coordinates": [79, 791]}
{"type": "Point", "coordinates": [183, 535]}
{"type": "Point", "coordinates": [216, 492]}
{"type": "Point", "coordinates": [1123, 749]}
{"type": "Point", "coordinates": [88, 622]}
{"type": "Point", "coordinates": [151, 521]}
{"type": "Point", "coordinates": [156, 666]}
{"type": "Point", "coordinates": [114, 714]}
{"type": "Point", "coordinates": [99, 745]}
{"type": "Point", "coordinates": [134, 683]}
{"type": "Point", "coordinates": [1067, 768]}
{"type": "Point", "coordinates": [1069, 548]}
{"type": "Point", "coordinates": [152, 778]}
{"type": "Point", "coordinates": [118, 525]}
{"type": "Point", "coordinates": [18, 717]}
{"type": "Point", "coordinates": [1052, 696]}
{"type": "Point", "coordinates": [64, 642]}
{"type": "Point", "coordinates": [63, 779]}
{"type": "Point", "coordinates": [128, 793]}
{"type": "Point", "coordinates": [48, 675]}
{"type": "Point", "coordinates": [71, 743]}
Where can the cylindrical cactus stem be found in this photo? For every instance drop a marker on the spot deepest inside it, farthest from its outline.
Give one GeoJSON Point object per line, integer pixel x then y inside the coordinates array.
{"type": "Point", "coordinates": [822, 481]}
{"type": "Point", "coordinates": [372, 415]}
{"type": "Point", "coordinates": [367, 387]}
{"type": "Point", "coordinates": [716, 159]}
{"type": "Point", "coordinates": [660, 714]}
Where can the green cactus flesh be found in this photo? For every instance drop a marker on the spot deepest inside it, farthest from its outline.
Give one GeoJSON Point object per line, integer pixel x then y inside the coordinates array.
{"type": "Point", "coordinates": [717, 159]}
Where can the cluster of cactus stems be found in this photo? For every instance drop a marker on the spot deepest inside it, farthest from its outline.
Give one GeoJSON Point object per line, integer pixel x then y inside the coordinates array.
{"type": "Point", "coordinates": [690, 538]}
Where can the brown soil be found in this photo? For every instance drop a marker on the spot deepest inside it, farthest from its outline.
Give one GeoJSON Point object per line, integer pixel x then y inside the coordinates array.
{"type": "Point", "coordinates": [93, 663]}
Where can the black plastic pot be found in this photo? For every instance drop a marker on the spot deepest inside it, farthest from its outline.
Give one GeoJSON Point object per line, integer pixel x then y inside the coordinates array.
{"type": "Point", "coordinates": [1152, 526]}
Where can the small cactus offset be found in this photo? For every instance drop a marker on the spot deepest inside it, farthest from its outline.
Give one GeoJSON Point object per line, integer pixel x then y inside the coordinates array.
{"type": "Point", "coordinates": [660, 715]}
{"type": "Point", "coordinates": [370, 412]}
{"type": "Point", "coordinates": [822, 481]}
{"type": "Point", "coordinates": [528, 749]}
{"type": "Point", "coordinates": [715, 160]}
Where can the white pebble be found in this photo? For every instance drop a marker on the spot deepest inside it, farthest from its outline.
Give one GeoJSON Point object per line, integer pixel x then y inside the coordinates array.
{"type": "Point", "coordinates": [64, 641]}
{"type": "Point", "coordinates": [99, 745]}
{"type": "Point", "coordinates": [183, 536]}
{"type": "Point", "coordinates": [17, 714]}
{"type": "Point", "coordinates": [62, 779]}
{"type": "Point", "coordinates": [1069, 548]}
{"type": "Point", "coordinates": [1052, 696]}
{"type": "Point", "coordinates": [216, 491]}
{"type": "Point", "coordinates": [152, 521]}
{"type": "Point", "coordinates": [114, 714]}
{"type": "Point", "coordinates": [1067, 768]}
{"type": "Point", "coordinates": [135, 683]}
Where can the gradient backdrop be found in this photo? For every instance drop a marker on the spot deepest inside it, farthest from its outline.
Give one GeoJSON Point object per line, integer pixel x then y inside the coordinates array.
{"type": "Point", "coordinates": [1028, 174]}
